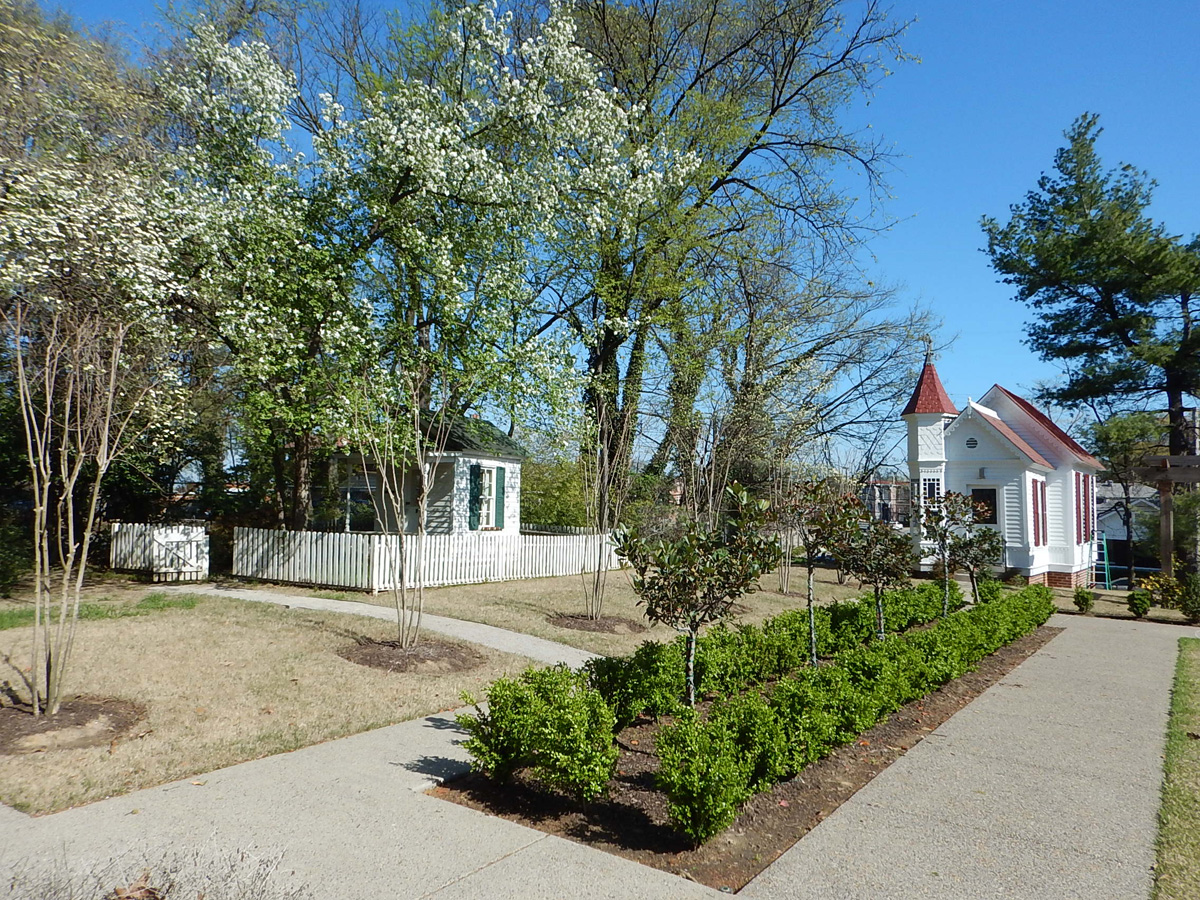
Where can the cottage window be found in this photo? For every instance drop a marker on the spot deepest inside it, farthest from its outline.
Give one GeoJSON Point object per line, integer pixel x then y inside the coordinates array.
{"type": "Point", "coordinates": [486, 507]}
{"type": "Point", "coordinates": [487, 496]}
{"type": "Point", "coordinates": [931, 488]}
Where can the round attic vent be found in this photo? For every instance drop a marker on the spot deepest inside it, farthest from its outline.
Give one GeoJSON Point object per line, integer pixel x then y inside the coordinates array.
{"type": "Point", "coordinates": [972, 443]}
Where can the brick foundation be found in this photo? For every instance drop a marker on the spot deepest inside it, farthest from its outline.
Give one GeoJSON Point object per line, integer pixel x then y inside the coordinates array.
{"type": "Point", "coordinates": [1063, 579]}
{"type": "Point", "coordinates": [1082, 578]}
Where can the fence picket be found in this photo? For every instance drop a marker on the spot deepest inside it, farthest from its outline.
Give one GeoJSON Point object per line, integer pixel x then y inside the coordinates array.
{"type": "Point", "coordinates": [366, 561]}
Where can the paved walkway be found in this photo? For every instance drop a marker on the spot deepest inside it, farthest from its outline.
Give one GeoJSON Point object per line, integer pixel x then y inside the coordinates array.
{"type": "Point", "coordinates": [537, 649]}
{"type": "Point", "coordinates": [1045, 787]}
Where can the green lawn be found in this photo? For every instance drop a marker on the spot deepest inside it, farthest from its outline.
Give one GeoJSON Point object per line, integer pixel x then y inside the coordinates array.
{"type": "Point", "coordinates": [1177, 874]}
{"type": "Point", "coordinates": [21, 616]}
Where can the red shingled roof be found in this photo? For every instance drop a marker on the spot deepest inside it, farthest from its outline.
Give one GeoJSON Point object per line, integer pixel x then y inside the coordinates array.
{"type": "Point", "coordinates": [930, 396]}
{"type": "Point", "coordinates": [1055, 432]}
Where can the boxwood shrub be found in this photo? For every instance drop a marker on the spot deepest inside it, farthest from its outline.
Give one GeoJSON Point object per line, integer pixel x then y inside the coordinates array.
{"type": "Point", "coordinates": [737, 751]}
{"type": "Point", "coordinates": [550, 722]}
{"type": "Point", "coordinates": [733, 660]}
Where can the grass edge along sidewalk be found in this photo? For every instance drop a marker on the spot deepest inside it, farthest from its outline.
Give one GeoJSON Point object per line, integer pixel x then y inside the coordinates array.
{"type": "Point", "coordinates": [1177, 870]}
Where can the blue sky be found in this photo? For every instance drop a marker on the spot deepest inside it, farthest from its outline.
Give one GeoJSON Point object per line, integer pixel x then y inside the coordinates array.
{"type": "Point", "coordinates": [975, 123]}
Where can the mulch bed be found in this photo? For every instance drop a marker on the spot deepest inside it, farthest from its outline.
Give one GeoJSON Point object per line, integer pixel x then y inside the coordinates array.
{"type": "Point", "coordinates": [632, 822]}
{"type": "Point", "coordinates": [80, 722]}
{"type": "Point", "coordinates": [604, 624]}
{"type": "Point", "coordinates": [429, 657]}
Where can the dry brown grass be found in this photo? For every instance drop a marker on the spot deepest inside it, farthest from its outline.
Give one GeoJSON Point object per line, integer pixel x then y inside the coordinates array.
{"type": "Point", "coordinates": [225, 682]}
{"type": "Point", "coordinates": [525, 605]}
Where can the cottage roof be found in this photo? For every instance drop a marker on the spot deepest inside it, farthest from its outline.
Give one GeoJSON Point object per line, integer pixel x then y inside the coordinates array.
{"type": "Point", "coordinates": [929, 396]}
{"type": "Point", "coordinates": [1055, 433]}
{"type": "Point", "coordinates": [463, 435]}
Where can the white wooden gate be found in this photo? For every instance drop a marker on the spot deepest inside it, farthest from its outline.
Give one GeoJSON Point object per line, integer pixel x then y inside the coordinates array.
{"type": "Point", "coordinates": [165, 552]}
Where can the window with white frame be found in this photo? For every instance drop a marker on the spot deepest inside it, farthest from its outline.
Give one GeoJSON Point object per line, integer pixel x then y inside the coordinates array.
{"type": "Point", "coordinates": [931, 488]}
{"type": "Point", "coordinates": [487, 496]}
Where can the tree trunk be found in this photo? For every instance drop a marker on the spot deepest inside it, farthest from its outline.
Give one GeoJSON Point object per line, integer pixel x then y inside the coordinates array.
{"type": "Point", "coordinates": [301, 511]}
{"type": "Point", "coordinates": [945, 584]}
{"type": "Point", "coordinates": [279, 476]}
{"type": "Point", "coordinates": [1130, 570]}
{"type": "Point", "coordinates": [812, 617]}
{"type": "Point", "coordinates": [879, 622]}
{"type": "Point", "coordinates": [689, 672]}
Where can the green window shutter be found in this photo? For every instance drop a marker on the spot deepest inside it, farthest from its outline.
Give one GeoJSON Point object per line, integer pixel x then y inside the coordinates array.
{"type": "Point", "coordinates": [475, 497]}
{"type": "Point", "coordinates": [499, 487]}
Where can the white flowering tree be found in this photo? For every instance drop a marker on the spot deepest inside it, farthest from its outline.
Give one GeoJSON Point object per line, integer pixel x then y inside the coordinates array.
{"type": "Point", "coordinates": [467, 161]}
{"type": "Point", "coordinates": [86, 275]}
{"type": "Point", "coordinates": [89, 233]}
{"type": "Point", "coordinates": [274, 285]}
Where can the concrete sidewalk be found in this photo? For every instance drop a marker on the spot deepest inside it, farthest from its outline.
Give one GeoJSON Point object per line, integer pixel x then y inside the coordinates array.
{"type": "Point", "coordinates": [1045, 787]}
{"type": "Point", "coordinates": [538, 649]}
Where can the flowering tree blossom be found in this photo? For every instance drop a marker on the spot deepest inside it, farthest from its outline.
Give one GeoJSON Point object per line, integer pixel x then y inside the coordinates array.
{"type": "Point", "coordinates": [86, 256]}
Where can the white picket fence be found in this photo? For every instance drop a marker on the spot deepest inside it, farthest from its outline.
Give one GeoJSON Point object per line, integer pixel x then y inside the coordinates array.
{"type": "Point", "coordinates": [165, 552]}
{"type": "Point", "coordinates": [371, 562]}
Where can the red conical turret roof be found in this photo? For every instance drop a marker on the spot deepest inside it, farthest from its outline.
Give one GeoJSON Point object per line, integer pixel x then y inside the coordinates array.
{"type": "Point", "coordinates": [930, 396]}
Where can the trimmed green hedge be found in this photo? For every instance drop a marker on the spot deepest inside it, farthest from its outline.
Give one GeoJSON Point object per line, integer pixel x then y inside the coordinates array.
{"type": "Point", "coordinates": [558, 725]}
{"type": "Point", "coordinates": [732, 660]}
{"type": "Point", "coordinates": [750, 742]}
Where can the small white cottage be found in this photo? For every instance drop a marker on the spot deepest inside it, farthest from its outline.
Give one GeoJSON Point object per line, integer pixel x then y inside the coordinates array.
{"type": "Point", "coordinates": [1038, 483]}
{"type": "Point", "coordinates": [475, 484]}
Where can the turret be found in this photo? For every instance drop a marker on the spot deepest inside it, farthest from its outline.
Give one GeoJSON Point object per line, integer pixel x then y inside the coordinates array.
{"type": "Point", "coordinates": [928, 412]}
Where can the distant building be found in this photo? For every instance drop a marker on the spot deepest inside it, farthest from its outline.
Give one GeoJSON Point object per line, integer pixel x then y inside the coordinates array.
{"type": "Point", "coordinates": [887, 499]}
{"type": "Point", "coordinates": [1038, 484]}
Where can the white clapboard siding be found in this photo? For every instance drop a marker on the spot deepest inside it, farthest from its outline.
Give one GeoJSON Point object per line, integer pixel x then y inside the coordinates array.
{"type": "Point", "coordinates": [373, 561]}
{"type": "Point", "coordinates": [165, 552]}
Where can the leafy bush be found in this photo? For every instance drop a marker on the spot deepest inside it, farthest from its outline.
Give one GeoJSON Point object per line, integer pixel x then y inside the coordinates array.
{"type": "Point", "coordinates": [550, 722]}
{"type": "Point", "coordinates": [1140, 601]}
{"type": "Point", "coordinates": [1085, 599]}
{"type": "Point", "coordinates": [1189, 598]}
{"type": "Point", "coordinates": [753, 726]}
{"type": "Point", "coordinates": [989, 589]}
{"type": "Point", "coordinates": [1164, 590]}
{"type": "Point", "coordinates": [704, 774]}
{"type": "Point", "coordinates": [646, 683]}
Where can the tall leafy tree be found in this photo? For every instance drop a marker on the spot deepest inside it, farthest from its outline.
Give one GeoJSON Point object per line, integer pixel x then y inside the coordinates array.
{"type": "Point", "coordinates": [1112, 290]}
{"type": "Point", "coordinates": [744, 98]}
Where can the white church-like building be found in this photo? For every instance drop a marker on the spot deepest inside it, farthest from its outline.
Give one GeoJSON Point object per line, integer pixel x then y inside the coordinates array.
{"type": "Point", "coordinates": [1039, 485]}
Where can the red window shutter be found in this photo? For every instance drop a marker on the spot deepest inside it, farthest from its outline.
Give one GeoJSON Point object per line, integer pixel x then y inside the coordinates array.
{"type": "Point", "coordinates": [1045, 517]}
{"type": "Point", "coordinates": [1079, 510]}
{"type": "Point", "coordinates": [1037, 515]}
{"type": "Point", "coordinates": [1091, 523]}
